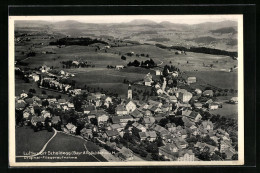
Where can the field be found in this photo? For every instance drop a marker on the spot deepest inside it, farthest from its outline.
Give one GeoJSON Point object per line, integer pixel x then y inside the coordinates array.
{"type": "Point", "coordinates": [109, 79]}
{"type": "Point", "coordinates": [28, 140]}
{"type": "Point", "coordinates": [228, 111]}
{"type": "Point", "coordinates": [224, 80]}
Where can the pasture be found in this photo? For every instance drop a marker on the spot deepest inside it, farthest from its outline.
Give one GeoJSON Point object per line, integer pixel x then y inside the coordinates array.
{"type": "Point", "coordinates": [29, 141]}
{"type": "Point", "coordinates": [228, 111]}
{"type": "Point", "coordinates": [224, 80]}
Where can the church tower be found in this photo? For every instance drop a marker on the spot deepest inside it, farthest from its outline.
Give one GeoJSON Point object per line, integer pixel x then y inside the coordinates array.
{"type": "Point", "coordinates": [164, 84]}
{"type": "Point", "coordinates": [129, 94]}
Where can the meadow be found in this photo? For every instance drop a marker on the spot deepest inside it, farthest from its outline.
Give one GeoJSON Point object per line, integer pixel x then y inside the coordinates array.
{"type": "Point", "coordinates": [28, 140]}
{"type": "Point", "coordinates": [220, 79]}
{"type": "Point", "coordinates": [227, 110]}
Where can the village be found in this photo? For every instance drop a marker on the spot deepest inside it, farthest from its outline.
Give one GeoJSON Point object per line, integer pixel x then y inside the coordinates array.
{"type": "Point", "coordinates": [174, 124]}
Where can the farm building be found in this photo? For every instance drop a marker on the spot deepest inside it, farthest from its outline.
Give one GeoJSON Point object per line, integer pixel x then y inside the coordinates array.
{"type": "Point", "coordinates": [158, 72]}
{"type": "Point", "coordinates": [233, 100]}
{"type": "Point", "coordinates": [148, 80]}
{"type": "Point", "coordinates": [191, 80]}
{"type": "Point", "coordinates": [118, 67]}
{"type": "Point", "coordinates": [175, 74]}
{"type": "Point", "coordinates": [198, 91]}
{"type": "Point", "coordinates": [208, 93]}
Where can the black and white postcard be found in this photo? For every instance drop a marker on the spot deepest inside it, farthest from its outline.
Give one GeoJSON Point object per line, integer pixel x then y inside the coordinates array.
{"type": "Point", "coordinates": [126, 90]}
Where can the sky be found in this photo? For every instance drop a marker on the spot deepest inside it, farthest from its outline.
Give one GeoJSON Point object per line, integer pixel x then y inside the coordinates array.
{"type": "Point", "coordinates": [183, 19]}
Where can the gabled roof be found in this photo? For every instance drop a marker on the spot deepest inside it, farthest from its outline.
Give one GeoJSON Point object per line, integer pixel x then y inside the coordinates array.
{"type": "Point", "coordinates": [206, 123]}
{"type": "Point", "coordinates": [183, 152]}
{"type": "Point", "coordinates": [186, 112]}
{"type": "Point", "coordinates": [85, 131]}
{"type": "Point", "coordinates": [149, 120]}
{"type": "Point", "coordinates": [20, 105]}
{"type": "Point", "coordinates": [136, 114]}
{"type": "Point", "coordinates": [62, 101]}
{"type": "Point", "coordinates": [120, 108]}
{"type": "Point", "coordinates": [89, 108]}
{"type": "Point", "coordinates": [194, 114]}
{"type": "Point", "coordinates": [142, 135]}
{"type": "Point", "coordinates": [38, 119]}
{"type": "Point", "coordinates": [115, 126]}
{"type": "Point", "coordinates": [208, 92]}
{"type": "Point", "coordinates": [129, 101]}
{"type": "Point", "coordinates": [55, 119]}
{"type": "Point", "coordinates": [70, 126]}
{"type": "Point", "coordinates": [111, 133]}
{"type": "Point", "coordinates": [151, 134]}
{"type": "Point", "coordinates": [126, 152]}
{"type": "Point", "coordinates": [28, 100]}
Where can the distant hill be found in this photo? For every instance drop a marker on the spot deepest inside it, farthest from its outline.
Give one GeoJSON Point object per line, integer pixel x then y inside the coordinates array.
{"type": "Point", "coordinates": [144, 31]}
{"type": "Point", "coordinates": [225, 30]}
{"type": "Point", "coordinates": [141, 22]}
{"type": "Point", "coordinates": [176, 26]}
{"type": "Point", "coordinates": [215, 25]}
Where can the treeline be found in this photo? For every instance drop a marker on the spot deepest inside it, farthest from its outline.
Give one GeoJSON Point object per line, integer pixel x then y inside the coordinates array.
{"type": "Point", "coordinates": [200, 50]}
{"type": "Point", "coordinates": [77, 41]}
{"type": "Point", "coordinates": [146, 64]}
{"type": "Point", "coordinates": [69, 64]}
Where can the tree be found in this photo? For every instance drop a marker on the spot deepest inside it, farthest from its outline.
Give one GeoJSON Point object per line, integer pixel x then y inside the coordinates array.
{"type": "Point", "coordinates": [123, 57]}
{"type": "Point", "coordinates": [155, 156]}
{"type": "Point", "coordinates": [45, 103]}
{"type": "Point", "coordinates": [224, 156]}
{"type": "Point", "coordinates": [163, 122]}
{"type": "Point", "coordinates": [165, 71]}
{"type": "Point", "coordinates": [94, 121]}
{"type": "Point", "coordinates": [47, 126]}
{"type": "Point", "coordinates": [32, 90]}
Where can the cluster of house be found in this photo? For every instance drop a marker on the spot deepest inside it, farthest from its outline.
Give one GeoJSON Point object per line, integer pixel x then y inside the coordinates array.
{"type": "Point", "coordinates": [33, 111]}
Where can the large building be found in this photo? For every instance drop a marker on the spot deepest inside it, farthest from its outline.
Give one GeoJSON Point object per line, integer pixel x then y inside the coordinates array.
{"type": "Point", "coordinates": [148, 80]}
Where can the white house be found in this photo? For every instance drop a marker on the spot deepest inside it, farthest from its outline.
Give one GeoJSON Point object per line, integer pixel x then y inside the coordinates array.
{"type": "Point", "coordinates": [118, 67]}
{"type": "Point", "coordinates": [158, 72]}
{"type": "Point", "coordinates": [148, 80]}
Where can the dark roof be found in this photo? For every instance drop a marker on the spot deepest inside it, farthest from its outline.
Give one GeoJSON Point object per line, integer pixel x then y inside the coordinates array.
{"type": "Point", "coordinates": [28, 100]}
{"type": "Point", "coordinates": [62, 101]}
{"type": "Point", "coordinates": [20, 105]}
{"type": "Point", "coordinates": [142, 134]}
{"type": "Point", "coordinates": [136, 113]}
{"type": "Point", "coordinates": [193, 114]}
{"type": "Point", "coordinates": [116, 119]}
{"type": "Point", "coordinates": [38, 118]}
{"type": "Point", "coordinates": [89, 108]}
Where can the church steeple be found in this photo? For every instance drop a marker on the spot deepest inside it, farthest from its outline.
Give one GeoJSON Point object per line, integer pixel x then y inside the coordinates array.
{"type": "Point", "coordinates": [129, 93]}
